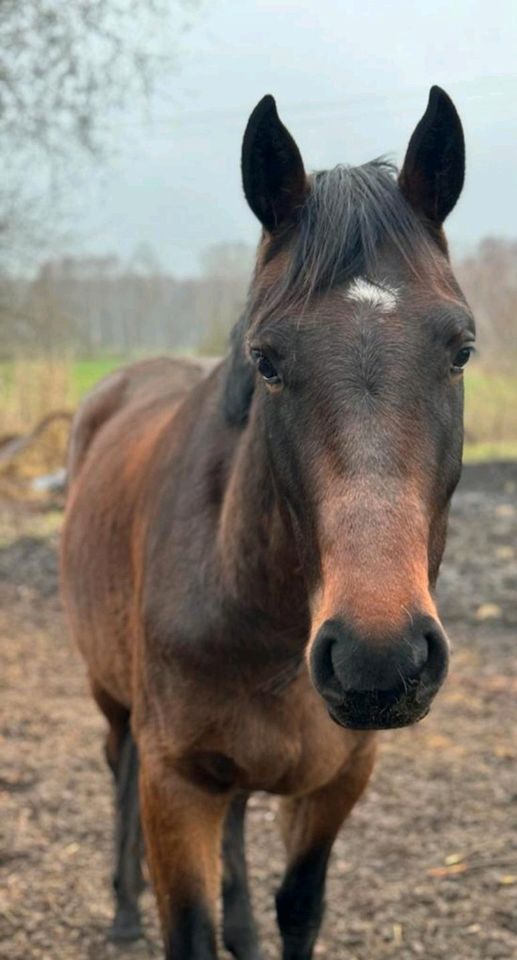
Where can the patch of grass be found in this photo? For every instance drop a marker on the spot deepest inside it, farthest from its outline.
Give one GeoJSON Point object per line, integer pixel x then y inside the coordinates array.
{"type": "Point", "coordinates": [30, 388]}
{"type": "Point", "coordinates": [490, 413]}
{"type": "Point", "coordinates": [477, 452]}
{"type": "Point", "coordinates": [86, 373]}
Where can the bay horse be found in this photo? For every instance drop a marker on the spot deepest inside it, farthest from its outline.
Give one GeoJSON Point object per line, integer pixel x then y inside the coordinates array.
{"type": "Point", "coordinates": [249, 556]}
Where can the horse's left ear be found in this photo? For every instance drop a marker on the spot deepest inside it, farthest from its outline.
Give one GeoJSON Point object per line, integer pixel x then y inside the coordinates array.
{"type": "Point", "coordinates": [432, 176]}
{"type": "Point", "coordinates": [273, 176]}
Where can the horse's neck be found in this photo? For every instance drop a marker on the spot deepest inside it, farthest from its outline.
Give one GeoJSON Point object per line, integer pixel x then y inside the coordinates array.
{"type": "Point", "coordinates": [221, 559]}
{"type": "Point", "coordinates": [256, 547]}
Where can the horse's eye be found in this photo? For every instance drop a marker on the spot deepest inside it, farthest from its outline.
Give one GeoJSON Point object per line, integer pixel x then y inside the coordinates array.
{"type": "Point", "coordinates": [265, 367]}
{"type": "Point", "coordinates": [461, 358]}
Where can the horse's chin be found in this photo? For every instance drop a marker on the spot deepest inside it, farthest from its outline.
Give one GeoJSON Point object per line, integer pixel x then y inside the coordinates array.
{"type": "Point", "coordinates": [399, 716]}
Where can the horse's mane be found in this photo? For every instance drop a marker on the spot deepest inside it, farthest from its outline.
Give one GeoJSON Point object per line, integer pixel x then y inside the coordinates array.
{"type": "Point", "coordinates": [350, 215]}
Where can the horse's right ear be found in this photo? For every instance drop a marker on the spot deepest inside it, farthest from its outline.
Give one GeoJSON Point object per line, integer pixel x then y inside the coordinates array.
{"type": "Point", "coordinates": [273, 175]}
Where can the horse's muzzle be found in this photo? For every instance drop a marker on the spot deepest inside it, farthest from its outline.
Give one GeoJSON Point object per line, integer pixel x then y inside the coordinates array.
{"type": "Point", "coordinates": [383, 684]}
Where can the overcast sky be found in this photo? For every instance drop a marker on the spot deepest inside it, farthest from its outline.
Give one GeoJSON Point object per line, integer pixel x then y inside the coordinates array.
{"type": "Point", "coordinates": [351, 79]}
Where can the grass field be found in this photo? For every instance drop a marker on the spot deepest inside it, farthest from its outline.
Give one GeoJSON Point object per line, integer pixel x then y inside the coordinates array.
{"type": "Point", "coordinates": [490, 414]}
{"type": "Point", "coordinates": [31, 388]}
{"type": "Point", "coordinates": [86, 373]}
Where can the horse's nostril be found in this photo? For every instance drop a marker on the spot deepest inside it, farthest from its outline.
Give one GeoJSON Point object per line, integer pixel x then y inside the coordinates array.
{"type": "Point", "coordinates": [386, 682]}
{"type": "Point", "coordinates": [342, 661]}
{"type": "Point", "coordinates": [322, 664]}
{"type": "Point", "coordinates": [417, 656]}
{"type": "Point", "coordinates": [436, 664]}
{"type": "Point", "coordinates": [325, 665]}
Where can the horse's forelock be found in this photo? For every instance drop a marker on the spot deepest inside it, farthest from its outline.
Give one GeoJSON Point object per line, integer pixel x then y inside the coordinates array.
{"type": "Point", "coordinates": [352, 215]}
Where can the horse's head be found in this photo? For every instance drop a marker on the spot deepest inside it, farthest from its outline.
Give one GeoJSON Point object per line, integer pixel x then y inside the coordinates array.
{"type": "Point", "coordinates": [351, 356]}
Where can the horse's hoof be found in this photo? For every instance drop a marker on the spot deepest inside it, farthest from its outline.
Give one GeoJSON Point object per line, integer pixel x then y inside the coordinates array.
{"type": "Point", "coordinates": [125, 928]}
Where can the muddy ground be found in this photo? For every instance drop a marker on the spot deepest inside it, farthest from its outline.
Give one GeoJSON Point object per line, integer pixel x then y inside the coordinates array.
{"type": "Point", "coordinates": [425, 868]}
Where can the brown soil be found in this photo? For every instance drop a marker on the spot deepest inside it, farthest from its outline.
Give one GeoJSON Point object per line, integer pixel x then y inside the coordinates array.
{"type": "Point", "coordinates": [425, 868]}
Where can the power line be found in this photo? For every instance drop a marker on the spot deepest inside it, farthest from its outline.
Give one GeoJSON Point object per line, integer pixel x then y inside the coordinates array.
{"type": "Point", "coordinates": [344, 106]}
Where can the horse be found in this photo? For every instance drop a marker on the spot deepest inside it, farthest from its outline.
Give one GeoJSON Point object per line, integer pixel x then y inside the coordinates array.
{"type": "Point", "coordinates": [249, 555]}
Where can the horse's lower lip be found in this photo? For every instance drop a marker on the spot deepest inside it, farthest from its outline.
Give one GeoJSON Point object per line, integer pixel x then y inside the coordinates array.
{"type": "Point", "coordinates": [383, 720]}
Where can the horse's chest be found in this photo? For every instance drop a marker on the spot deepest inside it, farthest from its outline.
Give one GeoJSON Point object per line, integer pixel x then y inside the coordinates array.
{"type": "Point", "coordinates": [290, 745]}
{"type": "Point", "coordinates": [237, 738]}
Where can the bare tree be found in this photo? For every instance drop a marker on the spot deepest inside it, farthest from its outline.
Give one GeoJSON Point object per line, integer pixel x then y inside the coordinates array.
{"type": "Point", "coordinates": [489, 278]}
{"type": "Point", "coordinates": [98, 304]}
{"type": "Point", "coordinates": [67, 68]}
{"type": "Point", "coordinates": [64, 66]}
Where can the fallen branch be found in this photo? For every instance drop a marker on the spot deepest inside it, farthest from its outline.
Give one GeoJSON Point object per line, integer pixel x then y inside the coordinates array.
{"type": "Point", "coordinates": [11, 446]}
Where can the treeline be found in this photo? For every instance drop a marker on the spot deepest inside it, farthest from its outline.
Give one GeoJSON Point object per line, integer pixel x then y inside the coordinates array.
{"type": "Point", "coordinates": [93, 306]}
{"type": "Point", "coordinates": [489, 280]}
{"type": "Point", "coordinates": [99, 305]}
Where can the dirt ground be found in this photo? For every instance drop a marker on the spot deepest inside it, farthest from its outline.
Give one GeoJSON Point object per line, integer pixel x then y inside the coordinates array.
{"type": "Point", "coordinates": [426, 866]}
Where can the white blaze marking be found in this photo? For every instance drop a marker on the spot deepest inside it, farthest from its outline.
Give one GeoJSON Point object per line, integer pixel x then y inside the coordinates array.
{"type": "Point", "coordinates": [362, 291]}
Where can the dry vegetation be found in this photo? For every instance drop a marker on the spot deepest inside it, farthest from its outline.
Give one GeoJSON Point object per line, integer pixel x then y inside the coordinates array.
{"type": "Point", "coordinates": [30, 390]}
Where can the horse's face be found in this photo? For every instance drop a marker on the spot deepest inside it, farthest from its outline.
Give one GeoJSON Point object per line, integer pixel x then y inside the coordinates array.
{"type": "Point", "coordinates": [362, 403]}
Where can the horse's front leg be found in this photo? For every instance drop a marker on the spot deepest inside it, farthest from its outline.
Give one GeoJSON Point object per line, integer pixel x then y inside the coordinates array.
{"type": "Point", "coordinates": [183, 831]}
{"type": "Point", "coordinates": [309, 827]}
{"type": "Point", "coordinates": [239, 930]}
